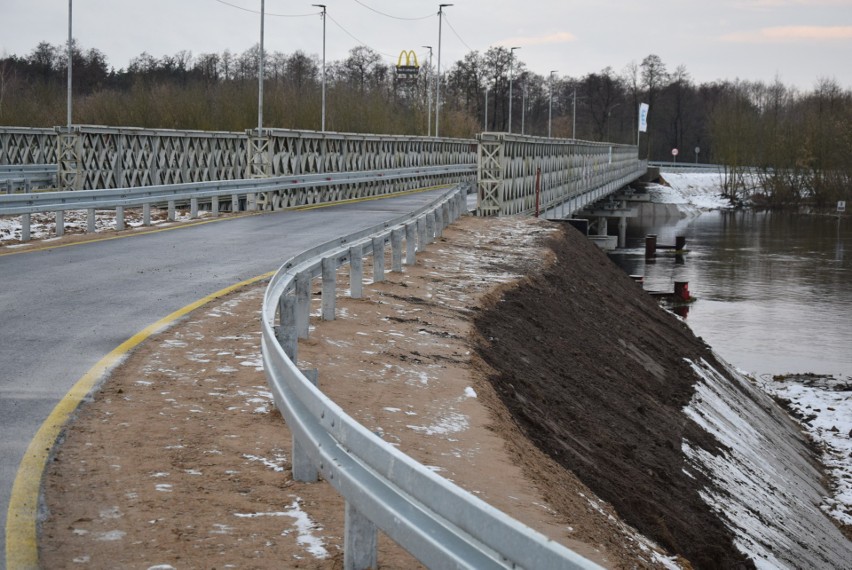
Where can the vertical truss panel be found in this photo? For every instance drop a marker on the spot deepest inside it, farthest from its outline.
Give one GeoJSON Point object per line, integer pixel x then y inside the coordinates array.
{"type": "Point", "coordinates": [507, 166]}
{"type": "Point", "coordinates": [22, 145]}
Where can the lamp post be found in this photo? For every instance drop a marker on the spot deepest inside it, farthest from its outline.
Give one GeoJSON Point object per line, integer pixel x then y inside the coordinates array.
{"type": "Point", "coordinates": [69, 66]}
{"type": "Point", "coordinates": [438, 75]}
{"type": "Point", "coordinates": [485, 123]}
{"type": "Point", "coordinates": [523, 108]}
{"type": "Point", "coordinates": [260, 73]}
{"type": "Point", "coordinates": [322, 127]}
{"type": "Point", "coordinates": [429, 96]}
{"type": "Point", "coordinates": [550, 107]}
{"type": "Point", "coordinates": [511, 62]}
{"type": "Point", "coordinates": [574, 116]}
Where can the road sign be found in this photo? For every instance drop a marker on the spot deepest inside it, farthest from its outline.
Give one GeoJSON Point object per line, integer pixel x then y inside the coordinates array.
{"type": "Point", "coordinates": [841, 205]}
{"type": "Point", "coordinates": [675, 152]}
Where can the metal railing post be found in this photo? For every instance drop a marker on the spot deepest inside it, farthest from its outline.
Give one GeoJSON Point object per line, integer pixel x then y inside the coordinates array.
{"type": "Point", "coordinates": [303, 304]}
{"type": "Point", "coordinates": [378, 259]}
{"type": "Point", "coordinates": [410, 244]}
{"type": "Point", "coordinates": [356, 271]}
{"type": "Point", "coordinates": [396, 250]}
{"type": "Point", "coordinates": [360, 541]}
{"type": "Point", "coordinates": [329, 287]}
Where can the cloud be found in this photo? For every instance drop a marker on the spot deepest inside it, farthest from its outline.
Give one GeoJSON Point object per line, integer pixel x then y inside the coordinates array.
{"type": "Point", "coordinates": [787, 34]}
{"type": "Point", "coordinates": [557, 38]}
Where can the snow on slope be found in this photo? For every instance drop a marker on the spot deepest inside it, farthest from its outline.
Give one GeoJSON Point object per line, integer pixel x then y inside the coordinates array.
{"type": "Point", "coordinates": [690, 191]}
{"type": "Point", "coordinates": [767, 488]}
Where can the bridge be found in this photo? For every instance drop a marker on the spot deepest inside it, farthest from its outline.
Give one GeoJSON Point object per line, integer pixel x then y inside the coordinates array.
{"type": "Point", "coordinates": [110, 168]}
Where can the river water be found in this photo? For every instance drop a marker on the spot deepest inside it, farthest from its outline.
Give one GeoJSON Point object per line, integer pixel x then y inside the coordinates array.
{"type": "Point", "coordinates": [774, 290]}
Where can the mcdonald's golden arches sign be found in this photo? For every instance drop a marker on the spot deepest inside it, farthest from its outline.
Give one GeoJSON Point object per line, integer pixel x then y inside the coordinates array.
{"type": "Point", "coordinates": [407, 69]}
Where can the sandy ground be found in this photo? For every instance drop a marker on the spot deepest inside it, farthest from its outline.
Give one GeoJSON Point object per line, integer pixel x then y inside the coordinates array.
{"type": "Point", "coordinates": [181, 461]}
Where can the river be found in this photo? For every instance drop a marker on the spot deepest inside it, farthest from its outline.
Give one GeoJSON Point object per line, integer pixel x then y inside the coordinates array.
{"type": "Point", "coordinates": [773, 290]}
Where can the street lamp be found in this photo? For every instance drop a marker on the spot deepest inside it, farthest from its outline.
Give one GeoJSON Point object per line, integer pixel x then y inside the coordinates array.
{"type": "Point", "coordinates": [69, 66]}
{"type": "Point", "coordinates": [550, 107]}
{"type": "Point", "coordinates": [574, 116]}
{"type": "Point", "coordinates": [438, 76]}
{"type": "Point", "coordinates": [429, 92]}
{"type": "Point", "coordinates": [511, 61]}
{"type": "Point", "coordinates": [523, 109]}
{"type": "Point", "coordinates": [485, 123]}
{"type": "Point", "coordinates": [260, 73]}
{"type": "Point", "coordinates": [322, 128]}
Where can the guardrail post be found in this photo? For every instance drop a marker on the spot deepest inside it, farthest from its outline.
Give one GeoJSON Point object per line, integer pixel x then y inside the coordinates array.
{"type": "Point", "coordinates": [90, 221]}
{"type": "Point", "coordinates": [430, 227]}
{"type": "Point", "coordinates": [329, 287]}
{"type": "Point", "coordinates": [286, 331]}
{"type": "Point", "coordinates": [378, 259]}
{"type": "Point", "coordinates": [251, 202]}
{"type": "Point", "coordinates": [214, 206]}
{"type": "Point", "coordinates": [235, 203]}
{"type": "Point", "coordinates": [421, 234]}
{"type": "Point", "coordinates": [439, 221]}
{"type": "Point", "coordinates": [303, 304]}
{"type": "Point", "coordinates": [60, 223]}
{"type": "Point", "coordinates": [360, 541]}
{"type": "Point", "coordinates": [119, 218]}
{"type": "Point", "coordinates": [303, 469]}
{"type": "Point", "coordinates": [356, 271]}
{"type": "Point", "coordinates": [146, 214]}
{"type": "Point", "coordinates": [410, 244]}
{"type": "Point", "coordinates": [171, 216]}
{"type": "Point", "coordinates": [193, 208]}
{"type": "Point", "coordinates": [396, 250]}
{"type": "Point", "coordinates": [25, 227]}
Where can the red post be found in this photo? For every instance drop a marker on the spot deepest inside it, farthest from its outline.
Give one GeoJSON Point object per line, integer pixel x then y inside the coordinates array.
{"type": "Point", "coordinates": [537, 190]}
{"type": "Point", "coordinates": [681, 290]}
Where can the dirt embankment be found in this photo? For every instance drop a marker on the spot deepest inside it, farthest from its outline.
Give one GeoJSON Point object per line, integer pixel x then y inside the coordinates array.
{"type": "Point", "coordinates": [593, 371]}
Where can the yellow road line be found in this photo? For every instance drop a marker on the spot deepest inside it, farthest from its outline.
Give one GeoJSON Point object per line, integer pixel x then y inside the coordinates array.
{"type": "Point", "coordinates": [202, 222]}
{"type": "Point", "coordinates": [21, 519]}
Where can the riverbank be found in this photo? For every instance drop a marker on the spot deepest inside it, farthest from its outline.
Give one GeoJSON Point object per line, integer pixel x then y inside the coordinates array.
{"type": "Point", "coordinates": [796, 323]}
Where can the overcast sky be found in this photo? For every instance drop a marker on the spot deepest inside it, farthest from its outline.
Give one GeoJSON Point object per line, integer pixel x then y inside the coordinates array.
{"type": "Point", "coordinates": [799, 41]}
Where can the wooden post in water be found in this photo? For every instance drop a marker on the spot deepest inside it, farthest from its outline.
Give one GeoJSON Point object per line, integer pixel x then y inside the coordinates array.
{"type": "Point", "coordinates": [650, 245]}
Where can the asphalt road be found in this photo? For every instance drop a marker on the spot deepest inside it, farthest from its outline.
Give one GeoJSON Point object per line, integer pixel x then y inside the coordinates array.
{"type": "Point", "coordinates": [62, 310]}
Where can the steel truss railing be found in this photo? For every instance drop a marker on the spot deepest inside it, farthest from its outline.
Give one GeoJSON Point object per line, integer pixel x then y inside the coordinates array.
{"type": "Point", "coordinates": [440, 524]}
{"type": "Point", "coordinates": [97, 157]}
{"type": "Point", "coordinates": [572, 172]}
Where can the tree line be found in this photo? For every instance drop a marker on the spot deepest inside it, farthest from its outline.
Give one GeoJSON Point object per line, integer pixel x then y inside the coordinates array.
{"type": "Point", "coordinates": [799, 142]}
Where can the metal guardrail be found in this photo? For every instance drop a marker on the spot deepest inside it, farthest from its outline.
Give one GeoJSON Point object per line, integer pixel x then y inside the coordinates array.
{"type": "Point", "coordinates": [686, 166]}
{"type": "Point", "coordinates": [195, 193]}
{"type": "Point", "coordinates": [26, 177]}
{"type": "Point", "coordinates": [440, 524]}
